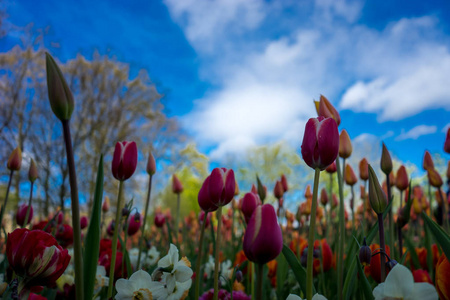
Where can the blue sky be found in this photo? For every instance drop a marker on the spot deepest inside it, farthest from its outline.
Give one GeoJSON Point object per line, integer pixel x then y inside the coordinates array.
{"type": "Point", "coordinates": [239, 73]}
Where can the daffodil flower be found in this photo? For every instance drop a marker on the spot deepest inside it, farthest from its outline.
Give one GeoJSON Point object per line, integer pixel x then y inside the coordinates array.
{"type": "Point", "coordinates": [315, 297]}
{"type": "Point", "coordinates": [139, 286]}
{"type": "Point", "coordinates": [399, 284]}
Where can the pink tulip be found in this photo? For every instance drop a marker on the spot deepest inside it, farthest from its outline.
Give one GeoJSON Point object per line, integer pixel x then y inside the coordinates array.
{"type": "Point", "coordinates": [217, 190]}
{"type": "Point", "coordinates": [21, 214]}
{"type": "Point", "coordinates": [320, 145]}
{"type": "Point", "coordinates": [177, 187]}
{"type": "Point", "coordinates": [263, 240]}
{"type": "Point", "coordinates": [83, 222]}
{"type": "Point", "coordinates": [134, 223]}
{"type": "Point", "coordinates": [125, 160]}
{"type": "Point", "coordinates": [160, 219]}
{"type": "Point", "coordinates": [249, 204]}
{"type": "Point", "coordinates": [284, 183]}
{"type": "Point", "coordinates": [151, 164]}
{"type": "Point", "coordinates": [204, 201]}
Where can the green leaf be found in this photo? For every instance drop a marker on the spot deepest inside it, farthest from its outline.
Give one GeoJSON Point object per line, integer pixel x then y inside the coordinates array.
{"type": "Point", "coordinates": [126, 256]}
{"type": "Point", "coordinates": [282, 273]}
{"type": "Point", "coordinates": [413, 253]}
{"type": "Point", "coordinates": [261, 190]}
{"type": "Point", "coordinates": [442, 238]}
{"type": "Point", "coordinates": [299, 271]}
{"type": "Point", "coordinates": [92, 239]}
{"type": "Point", "coordinates": [363, 282]}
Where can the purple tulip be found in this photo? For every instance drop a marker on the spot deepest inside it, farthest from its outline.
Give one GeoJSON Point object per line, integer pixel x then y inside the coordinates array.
{"type": "Point", "coordinates": [125, 160]}
{"type": "Point", "coordinates": [217, 189]}
{"type": "Point", "coordinates": [249, 204]}
{"type": "Point", "coordinates": [320, 145]}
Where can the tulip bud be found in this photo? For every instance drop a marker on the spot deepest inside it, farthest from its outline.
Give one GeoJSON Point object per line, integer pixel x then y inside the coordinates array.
{"type": "Point", "coordinates": [447, 142]}
{"type": "Point", "coordinates": [327, 110]}
{"type": "Point", "coordinates": [261, 189]}
{"type": "Point", "coordinates": [105, 205]}
{"type": "Point", "coordinates": [345, 145]}
{"type": "Point", "coordinates": [125, 160]}
{"type": "Point", "coordinates": [308, 193]}
{"type": "Point", "coordinates": [32, 172]}
{"type": "Point", "coordinates": [160, 220]}
{"type": "Point", "coordinates": [434, 178]}
{"type": "Point", "coordinates": [110, 229]}
{"type": "Point", "coordinates": [249, 204]}
{"type": "Point", "coordinates": [363, 169]}
{"type": "Point", "coordinates": [427, 161]}
{"type": "Point", "coordinates": [151, 164]}
{"type": "Point", "coordinates": [323, 197]}
{"type": "Point", "coordinates": [331, 168]}
{"type": "Point", "coordinates": [83, 222]}
{"type": "Point", "coordinates": [125, 211]}
{"type": "Point", "coordinates": [59, 94]}
{"type": "Point", "coordinates": [284, 183]}
{"type": "Point", "coordinates": [263, 240]}
{"type": "Point", "coordinates": [15, 160]}
{"type": "Point", "coordinates": [386, 161]}
{"type": "Point", "coordinates": [377, 197]}
{"type": "Point", "coordinates": [236, 189]}
{"type": "Point", "coordinates": [177, 187]}
{"type": "Point", "coordinates": [36, 256]}
{"type": "Point", "coordinates": [134, 223]}
{"type": "Point", "coordinates": [448, 170]}
{"type": "Point", "coordinates": [320, 144]}
{"type": "Point", "coordinates": [401, 180]}
{"type": "Point", "coordinates": [239, 276]}
{"type": "Point", "coordinates": [201, 217]}
{"type": "Point", "coordinates": [21, 215]}
{"type": "Point", "coordinates": [365, 254]}
{"type": "Point", "coordinates": [349, 176]}
{"type": "Point", "coordinates": [278, 190]}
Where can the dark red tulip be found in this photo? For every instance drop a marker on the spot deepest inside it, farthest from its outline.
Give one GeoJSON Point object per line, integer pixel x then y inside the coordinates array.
{"type": "Point", "coordinates": [21, 215]}
{"type": "Point", "coordinates": [249, 204]}
{"type": "Point", "coordinates": [177, 187]}
{"type": "Point", "coordinates": [125, 160]}
{"type": "Point", "coordinates": [160, 220]}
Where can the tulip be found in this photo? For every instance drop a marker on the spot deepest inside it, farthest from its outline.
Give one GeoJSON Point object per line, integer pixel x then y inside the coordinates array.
{"type": "Point", "coordinates": [105, 205]}
{"type": "Point", "coordinates": [64, 235]}
{"type": "Point", "coordinates": [134, 223]}
{"type": "Point", "coordinates": [221, 186]}
{"type": "Point", "coordinates": [15, 160]}
{"type": "Point", "coordinates": [349, 176]}
{"type": "Point", "coordinates": [377, 197]}
{"type": "Point", "coordinates": [32, 172]}
{"type": "Point", "coordinates": [427, 161]}
{"type": "Point", "coordinates": [151, 164]}
{"type": "Point", "coordinates": [421, 276]}
{"type": "Point", "coordinates": [308, 193]}
{"type": "Point", "coordinates": [160, 220]}
{"type": "Point", "coordinates": [59, 94]}
{"type": "Point", "coordinates": [263, 240]}
{"type": "Point", "coordinates": [434, 178]}
{"type": "Point", "coordinates": [401, 180]}
{"type": "Point", "coordinates": [386, 161]}
{"type": "Point", "coordinates": [204, 200]}
{"type": "Point", "coordinates": [125, 160]}
{"type": "Point", "coordinates": [35, 256]}
{"type": "Point", "coordinates": [249, 204]}
{"type": "Point", "coordinates": [448, 170]}
{"type": "Point", "coordinates": [284, 183]}
{"type": "Point", "coordinates": [278, 190]}
{"type": "Point", "coordinates": [323, 197]}
{"type": "Point", "coordinates": [345, 145]}
{"type": "Point", "coordinates": [363, 169]}
{"type": "Point", "coordinates": [374, 269]}
{"type": "Point", "coordinates": [442, 277]}
{"type": "Point", "coordinates": [331, 168]}
{"type": "Point", "coordinates": [320, 144]}
{"type": "Point", "coordinates": [201, 217]}
{"type": "Point", "coordinates": [21, 215]}
{"type": "Point", "coordinates": [83, 222]}
{"type": "Point", "coordinates": [177, 187]}
{"type": "Point", "coordinates": [327, 110]}
{"type": "Point", "coordinates": [447, 142]}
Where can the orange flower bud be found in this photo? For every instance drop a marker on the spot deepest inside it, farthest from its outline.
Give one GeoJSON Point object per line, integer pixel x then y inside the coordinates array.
{"type": "Point", "coordinates": [327, 110]}
{"type": "Point", "coordinates": [427, 161]}
{"type": "Point", "coordinates": [32, 172]}
{"type": "Point", "coordinates": [443, 277]}
{"type": "Point", "coordinates": [15, 160]}
{"type": "Point", "coordinates": [434, 178]}
{"type": "Point", "coordinates": [345, 145]}
{"type": "Point", "coordinates": [308, 193]}
{"type": "Point", "coordinates": [349, 176]}
{"type": "Point", "coordinates": [402, 179]}
{"type": "Point", "coordinates": [363, 169]}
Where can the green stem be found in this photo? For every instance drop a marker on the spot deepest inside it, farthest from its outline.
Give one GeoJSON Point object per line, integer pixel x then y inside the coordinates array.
{"type": "Point", "coordinates": [353, 208]}
{"type": "Point", "coordinates": [382, 246]}
{"type": "Point", "coordinates": [177, 220]}
{"type": "Point", "coordinates": [312, 230]}
{"type": "Point", "coordinates": [340, 259]}
{"type": "Point", "coordinates": [75, 203]}
{"type": "Point", "coordinates": [199, 258]}
{"type": "Point", "coordinates": [6, 198]}
{"type": "Point", "coordinates": [216, 259]}
{"type": "Point", "coordinates": [391, 218]}
{"type": "Point", "coordinates": [114, 241]}
{"type": "Point", "coordinates": [259, 281]}
{"type": "Point", "coordinates": [444, 211]}
{"type": "Point", "coordinates": [145, 221]}
{"type": "Point", "coordinates": [431, 200]}
{"type": "Point", "coordinates": [25, 223]}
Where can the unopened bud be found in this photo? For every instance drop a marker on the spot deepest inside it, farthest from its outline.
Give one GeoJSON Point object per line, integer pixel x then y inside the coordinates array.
{"type": "Point", "coordinates": [386, 161]}
{"type": "Point", "coordinates": [239, 276]}
{"type": "Point", "coordinates": [151, 164]}
{"type": "Point", "coordinates": [365, 254]}
{"type": "Point", "coordinates": [377, 197]}
{"type": "Point", "coordinates": [390, 264]}
{"type": "Point", "coordinates": [32, 172]}
{"type": "Point", "coordinates": [15, 160]}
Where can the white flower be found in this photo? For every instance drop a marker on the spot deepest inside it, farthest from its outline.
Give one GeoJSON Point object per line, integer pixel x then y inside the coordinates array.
{"type": "Point", "coordinates": [175, 292]}
{"type": "Point", "coordinates": [209, 267]}
{"type": "Point", "coordinates": [152, 256]}
{"type": "Point", "coordinates": [226, 270]}
{"type": "Point", "coordinates": [101, 279]}
{"type": "Point", "coordinates": [139, 286]}
{"type": "Point", "coordinates": [178, 271]}
{"type": "Point", "coordinates": [399, 284]}
{"type": "Point", "coordinates": [315, 297]}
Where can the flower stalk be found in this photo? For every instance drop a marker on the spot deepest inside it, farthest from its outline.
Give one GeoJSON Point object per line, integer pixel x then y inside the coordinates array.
{"type": "Point", "coordinates": [340, 259]}
{"type": "Point", "coordinates": [147, 203]}
{"type": "Point", "coordinates": [216, 258]}
{"type": "Point", "coordinates": [199, 258]}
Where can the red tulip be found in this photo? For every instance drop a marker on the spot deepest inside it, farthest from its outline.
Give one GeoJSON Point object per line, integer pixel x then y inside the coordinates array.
{"type": "Point", "coordinates": [320, 144]}
{"type": "Point", "coordinates": [327, 110]}
{"type": "Point", "coordinates": [249, 204]}
{"type": "Point", "coordinates": [204, 201]}
{"type": "Point", "coordinates": [331, 168]}
{"type": "Point", "coordinates": [278, 190]}
{"type": "Point", "coordinates": [160, 219]}
{"type": "Point", "coordinates": [427, 161]}
{"type": "Point", "coordinates": [125, 160]}
{"type": "Point", "coordinates": [386, 161]}
{"type": "Point", "coordinates": [64, 235]}
{"type": "Point", "coordinates": [284, 183]}
{"type": "Point", "coordinates": [447, 142]}
{"type": "Point", "coordinates": [374, 269]}
{"type": "Point", "coordinates": [323, 197]}
{"type": "Point", "coordinates": [32, 172]}
{"type": "Point", "coordinates": [442, 277]}
{"type": "Point", "coordinates": [434, 178]}
{"type": "Point", "coordinates": [36, 256]}
{"type": "Point", "coordinates": [263, 240]}
{"type": "Point", "coordinates": [401, 180]}
{"type": "Point", "coordinates": [364, 169]}
{"type": "Point", "coordinates": [151, 164]}
{"type": "Point", "coordinates": [345, 145]}
{"type": "Point", "coordinates": [134, 223]}
{"type": "Point", "coordinates": [105, 205]}
{"type": "Point", "coordinates": [177, 187]}
{"type": "Point", "coordinates": [15, 160]}
{"type": "Point", "coordinates": [421, 276]}
{"type": "Point", "coordinates": [83, 222]}
{"type": "Point", "coordinates": [201, 217]}
{"type": "Point", "coordinates": [217, 189]}
{"type": "Point", "coordinates": [21, 214]}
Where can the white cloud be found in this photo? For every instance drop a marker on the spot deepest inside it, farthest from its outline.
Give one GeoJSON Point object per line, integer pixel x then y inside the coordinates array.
{"type": "Point", "coordinates": [264, 83]}
{"type": "Point", "coordinates": [416, 132]}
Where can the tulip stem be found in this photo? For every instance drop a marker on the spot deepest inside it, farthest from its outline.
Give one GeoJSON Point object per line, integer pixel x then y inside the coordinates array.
{"type": "Point", "coordinates": [177, 219]}
{"type": "Point", "coordinates": [145, 221]}
{"type": "Point", "coordinates": [114, 241]}
{"type": "Point", "coordinates": [6, 198]}
{"type": "Point", "coordinates": [444, 211]}
{"type": "Point", "coordinates": [340, 259]}
{"type": "Point", "coordinates": [75, 203]}
{"type": "Point", "coordinates": [216, 259]}
{"type": "Point", "coordinates": [199, 258]}
{"type": "Point", "coordinates": [382, 246]}
{"type": "Point", "coordinates": [353, 207]}
{"type": "Point", "coordinates": [25, 222]}
{"type": "Point", "coordinates": [391, 218]}
{"type": "Point", "coordinates": [259, 281]}
{"type": "Point", "coordinates": [312, 230]}
{"type": "Point", "coordinates": [431, 200]}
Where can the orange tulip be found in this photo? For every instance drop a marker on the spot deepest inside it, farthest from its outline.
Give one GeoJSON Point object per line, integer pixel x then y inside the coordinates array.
{"type": "Point", "coordinates": [443, 277]}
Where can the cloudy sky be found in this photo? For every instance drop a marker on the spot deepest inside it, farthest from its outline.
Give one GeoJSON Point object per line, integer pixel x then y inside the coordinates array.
{"type": "Point", "coordinates": [239, 73]}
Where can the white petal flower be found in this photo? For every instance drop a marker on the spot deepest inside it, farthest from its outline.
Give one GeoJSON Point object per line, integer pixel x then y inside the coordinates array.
{"type": "Point", "coordinates": [139, 286]}
{"type": "Point", "coordinates": [209, 267]}
{"type": "Point", "coordinates": [315, 297]}
{"type": "Point", "coordinates": [399, 284]}
{"type": "Point", "coordinates": [170, 259]}
{"type": "Point", "coordinates": [164, 291]}
{"type": "Point", "coordinates": [101, 279]}
{"type": "Point", "coordinates": [152, 256]}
